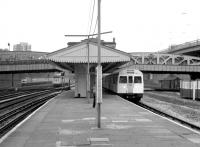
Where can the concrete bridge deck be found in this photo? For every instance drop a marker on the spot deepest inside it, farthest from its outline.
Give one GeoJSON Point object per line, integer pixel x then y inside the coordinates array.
{"type": "Point", "coordinates": [25, 66]}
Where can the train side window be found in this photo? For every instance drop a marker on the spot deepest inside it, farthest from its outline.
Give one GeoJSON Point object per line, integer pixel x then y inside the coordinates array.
{"type": "Point", "coordinates": [130, 79]}
{"type": "Point", "coordinates": [122, 79]}
{"type": "Point", "coordinates": [137, 79]}
{"type": "Point", "coordinates": [115, 79]}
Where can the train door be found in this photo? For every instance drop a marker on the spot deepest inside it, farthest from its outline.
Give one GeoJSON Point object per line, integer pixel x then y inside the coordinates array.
{"type": "Point", "coordinates": [122, 86]}
{"type": "Point", "coordinates": [138, 84]}
{"type": "Point", "coordinates": [130, 84]}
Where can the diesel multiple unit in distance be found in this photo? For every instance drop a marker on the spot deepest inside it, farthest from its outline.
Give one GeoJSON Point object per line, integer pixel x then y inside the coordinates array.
{"type": "Point", "coordinates": [60, 81]}
{"type": "Point", "coordinates": [127, 83]}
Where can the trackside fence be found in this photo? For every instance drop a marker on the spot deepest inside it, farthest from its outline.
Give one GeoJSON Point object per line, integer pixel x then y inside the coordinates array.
{"type": "Point", "coordinates": [190, 89]}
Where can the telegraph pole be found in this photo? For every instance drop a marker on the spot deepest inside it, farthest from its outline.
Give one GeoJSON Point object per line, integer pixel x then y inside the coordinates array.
{"type": "Point", "coordinates": [99, 69]}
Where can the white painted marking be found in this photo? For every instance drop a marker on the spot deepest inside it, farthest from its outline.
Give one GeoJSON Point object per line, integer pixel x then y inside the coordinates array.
{"type": "Point", "coordinates": [119, 121]}
{"type": "Point", "coordinates": [70, 132]}
{"type": "Point", "coordinates": [178, 124]}
{"type": "Point", "coordinates": [118, 118]}
{"type": "Point", "coordinates": [89, 118]}
{"type": "Point", "coordinates": [194, 140]}
{"type": "Point", "coordinates": [143, 112]}
{"type": "Point", "coordinates": [118, 127]}
{"type": "Point", "coordinates": [162, 131]}
{"type": "Point", "coordinates": [60, 144]}
{"type": "Point", "coordinates": [66, 132]}
{"type": "Point", "coordinates": [143, 120]}
{"type": "Point", "coordinates": [98, 139]}
{"type": "Point", "coordinates": [68, 120]}
{"type": "Point", "coordinates": [27, 118]}
{"type": "Point", "coordinates": [103, 118]}
{"type": "Point", "coordinates": [103, 144]}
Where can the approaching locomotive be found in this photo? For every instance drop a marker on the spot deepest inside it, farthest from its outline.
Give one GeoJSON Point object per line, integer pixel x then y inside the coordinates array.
{"type": "Point", "coordinates": [127, 83]}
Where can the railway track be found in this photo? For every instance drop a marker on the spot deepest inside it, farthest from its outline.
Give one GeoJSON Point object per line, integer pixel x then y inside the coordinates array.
{"type": "Point", "coordinates": [14, 110]}
{"type": "Point", "coordinates": [165, 114]}
{"type": "Point", "coordinates": [10, 94]}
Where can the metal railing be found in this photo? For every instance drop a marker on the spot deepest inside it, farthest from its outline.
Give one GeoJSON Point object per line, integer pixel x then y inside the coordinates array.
{"type": "Point", "coordinates": [173, 48]}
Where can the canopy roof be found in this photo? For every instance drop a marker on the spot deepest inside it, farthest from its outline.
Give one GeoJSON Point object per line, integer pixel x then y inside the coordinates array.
{"type": "Point", "coordinates": [79, 54]}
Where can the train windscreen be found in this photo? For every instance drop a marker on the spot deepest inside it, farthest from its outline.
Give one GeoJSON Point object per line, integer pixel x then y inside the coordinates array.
{"type": "Point", "coordinates": [123, 79]}
{"type": "Point", "coordinates": [137, 79]}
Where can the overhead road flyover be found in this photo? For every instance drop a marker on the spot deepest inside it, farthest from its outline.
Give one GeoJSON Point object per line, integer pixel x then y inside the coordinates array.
{"type": "Point", "coordinates": [28, 66]}
{"type": "Point", "coordinates": [81, 59]}
{"type": "Point", "coordinates": [191, 48]}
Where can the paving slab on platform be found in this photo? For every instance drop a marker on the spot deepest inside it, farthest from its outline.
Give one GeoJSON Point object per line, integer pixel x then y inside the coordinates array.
{"type": "Point", "coordinates": [71, 122]}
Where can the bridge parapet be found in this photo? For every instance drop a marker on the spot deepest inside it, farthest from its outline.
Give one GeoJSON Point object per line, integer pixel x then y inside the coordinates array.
{"type": "Point", "coordinates": [25, 62]}
{"type": "Point", "coordinates": [38, 65]}
{"type": "Point", "coordinates": [164, 59]}
{"type": "Point", "coordinates": [175, 48]}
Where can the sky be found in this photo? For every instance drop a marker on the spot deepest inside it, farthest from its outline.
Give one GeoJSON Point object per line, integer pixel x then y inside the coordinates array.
{"type": "Point", "coordinates": [137, 25]}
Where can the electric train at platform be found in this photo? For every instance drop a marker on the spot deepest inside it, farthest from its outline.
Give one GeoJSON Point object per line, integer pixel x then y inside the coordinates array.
{"type": "Point", "coordinates": [127, 83]}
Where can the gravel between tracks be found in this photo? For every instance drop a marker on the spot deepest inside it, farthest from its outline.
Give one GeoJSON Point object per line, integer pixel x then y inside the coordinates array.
{"type": "Point", "coordinates": [173, 104]}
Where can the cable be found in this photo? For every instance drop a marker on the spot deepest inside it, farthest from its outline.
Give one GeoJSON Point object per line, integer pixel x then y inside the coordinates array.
{"type": "Point", "coordinates": [92, 17]}
{"type": "Point", "coordinates": [89, 16]}
{"type": "Point", "coordinates": [95, 25]}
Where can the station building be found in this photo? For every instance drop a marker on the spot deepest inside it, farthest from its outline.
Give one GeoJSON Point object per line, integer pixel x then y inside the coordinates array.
{"type": "Point", "coordinates": [81, 58]}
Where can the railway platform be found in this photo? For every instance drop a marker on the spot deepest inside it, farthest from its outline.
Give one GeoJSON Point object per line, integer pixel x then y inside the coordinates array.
{"type": "Point", "coordinates": [71, 122]}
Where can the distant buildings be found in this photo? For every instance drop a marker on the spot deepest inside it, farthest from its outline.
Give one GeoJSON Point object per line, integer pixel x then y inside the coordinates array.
{"type": "Point", "coordinates": [20, 55]}
{"type": "Point", "coordinates": [22, 46]}
{"type": "Point", "coordinates": [5, 49]}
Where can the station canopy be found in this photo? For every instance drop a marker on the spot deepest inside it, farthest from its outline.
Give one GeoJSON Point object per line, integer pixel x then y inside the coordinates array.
{"type": "Point", "coordinates": [67, 57]}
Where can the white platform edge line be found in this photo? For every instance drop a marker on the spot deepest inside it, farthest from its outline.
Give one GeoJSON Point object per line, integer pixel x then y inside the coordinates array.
{"type": "Point", "coordinates": [27, 118]}
{"type": "Point", "coordinates": [162, 117]}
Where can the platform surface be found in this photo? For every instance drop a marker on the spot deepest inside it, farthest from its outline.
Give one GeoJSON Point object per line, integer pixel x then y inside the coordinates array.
{"type": "Point", "coordinates": [71, 122]}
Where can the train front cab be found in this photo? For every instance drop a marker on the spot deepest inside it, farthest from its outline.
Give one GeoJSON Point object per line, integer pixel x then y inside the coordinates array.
{"type": "Point", "coordinates": [131, 86]}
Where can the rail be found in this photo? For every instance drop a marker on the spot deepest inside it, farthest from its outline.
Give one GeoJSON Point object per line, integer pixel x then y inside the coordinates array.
{"type": "Point", "coordinates": [15, 109]}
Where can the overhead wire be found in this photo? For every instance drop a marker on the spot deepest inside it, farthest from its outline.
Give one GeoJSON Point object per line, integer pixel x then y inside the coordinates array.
{"type": "Point", "coordinates": [95, 26]}
{"type": "Point", "coordinates": [89, 17]}
{"type": "Point", "coordinates": [92, 17]}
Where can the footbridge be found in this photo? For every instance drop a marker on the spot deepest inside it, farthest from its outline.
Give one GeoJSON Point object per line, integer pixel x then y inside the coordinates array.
{"type": "Point", "coordinates": [153, 62]}
{"type": "Point", "coordinates": [156, 62]}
